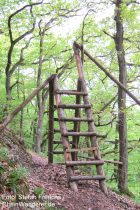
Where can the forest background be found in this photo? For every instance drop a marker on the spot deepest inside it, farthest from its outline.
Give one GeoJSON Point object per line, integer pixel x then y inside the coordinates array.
{"type": "Point", "coordinates": [36, 40]}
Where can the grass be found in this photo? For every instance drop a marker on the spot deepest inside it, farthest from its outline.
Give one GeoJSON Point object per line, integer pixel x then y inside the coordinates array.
{"type": "Point", "coordinates": [133, 175]}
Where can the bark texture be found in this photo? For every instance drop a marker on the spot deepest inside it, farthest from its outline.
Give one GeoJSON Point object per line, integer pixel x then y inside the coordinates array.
{"type": "Point", "coordinates": [122, 123]}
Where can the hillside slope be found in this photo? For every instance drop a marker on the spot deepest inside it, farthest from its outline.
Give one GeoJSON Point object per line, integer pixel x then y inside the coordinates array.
{"type": "Point", "coordinates": [47, 186]}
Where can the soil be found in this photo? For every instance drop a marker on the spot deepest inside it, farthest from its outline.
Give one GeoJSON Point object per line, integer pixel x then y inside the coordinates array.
{"type": "Point", "coordinates": [90, 197]}
{"type": "Point", "coordinates": [51, 180]}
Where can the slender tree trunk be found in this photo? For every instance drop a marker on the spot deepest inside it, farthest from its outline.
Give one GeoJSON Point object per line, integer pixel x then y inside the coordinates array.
{"type": "Point", "coordinates": [122, 124]}
{"type": "Point", "coordinates": [40, 100]}
{"type": "Point", "coordinates": [115, 173]}
{"type": "Point", "coordinates": [8, 85]}
{"type": "Point", "coordinates": [39, 130]}
{"type": "Point", "coordinates": [21, 122]}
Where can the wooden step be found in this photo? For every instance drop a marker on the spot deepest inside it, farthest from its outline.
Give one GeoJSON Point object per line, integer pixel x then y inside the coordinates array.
{"type": "Point", "coordinates": [79, 134]}
{"type": "Point", "coordinates": [60, 142]}
{"type": "Point", "coordinates": [81, 149]}
{"type": "Point", "coordinates": [71, 92]}
{"type": "Point", "coordinates": [74, 119]}
{"type": "Point", "coordinates": [82, 163]}
{"type": "Point", "coordinates": [58, 152]}
{"type": "Point", "coordinates": [95, 177]}
{"type": "Point", "coordinates": [73, 106]}
{"type": "Point", "coordinates": [58, 130]}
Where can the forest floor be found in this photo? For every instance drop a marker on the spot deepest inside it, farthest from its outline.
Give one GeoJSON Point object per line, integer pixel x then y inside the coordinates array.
{"type": "Point", "coordinates": [53, 179]}
{"type": "Point", "coordinates": [52, 192]}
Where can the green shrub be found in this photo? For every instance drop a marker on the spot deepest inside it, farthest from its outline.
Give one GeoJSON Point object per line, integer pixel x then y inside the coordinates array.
{"type": "Point", "coordinates": [16, 177]}
{"type": "Point", "coordinates": [39, 192]}
{"type": "Point", "coordinates": [4, 153]}
{"type": "Point", "coordinates": [2, 169]}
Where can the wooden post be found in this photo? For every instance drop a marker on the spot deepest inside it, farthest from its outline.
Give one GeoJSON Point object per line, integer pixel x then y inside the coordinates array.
{"type": "Point", "coordinates": [76, 124]}
{"type": "Point", "coordinates": [91, 127]}
{"type": "Point", "coordinates": [65, 140]}
{"type": "Point", "coordinates": [51, 122]}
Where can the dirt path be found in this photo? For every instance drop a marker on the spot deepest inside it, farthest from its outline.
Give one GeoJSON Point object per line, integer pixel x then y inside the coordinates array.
{"type": "Point", "coordinates": [52, 178]}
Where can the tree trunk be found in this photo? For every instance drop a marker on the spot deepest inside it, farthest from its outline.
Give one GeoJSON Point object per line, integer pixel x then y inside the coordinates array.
{"type": "Point", "coordinates": [40, 100]}
{"type": "Point", "coordinates": [122, 124]}
{"type": "Point", "coordinates": [8, 85]}
{"type": "Point", "coordinates": [39, 130]}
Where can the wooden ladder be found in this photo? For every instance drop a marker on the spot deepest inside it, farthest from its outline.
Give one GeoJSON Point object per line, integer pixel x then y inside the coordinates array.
{"type": "Point", "coordinates": [70, 148]}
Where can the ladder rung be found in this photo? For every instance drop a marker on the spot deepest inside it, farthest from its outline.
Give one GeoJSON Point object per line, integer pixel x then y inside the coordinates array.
{"type": "Point", "coordinates": [96, 177]}
{"type": "Point", "coordinates": [60, 142]}
{"type": "Point", "coordinates": [73, 106]}
{"type": "Point", "coordinates": [71, 92]}
{"type": "Point", "coordinates": [81, 149]}
{"type": "Point", "coordinates": [75, 119]}
{"type": "Point", "coordinates": [58, 152]}
{"type": "Point", "coordinates": [80, 163]}
{"type": "Point", "coordinates": [58, 130]}
{"type": "Point", "coordinates": [79, 134]}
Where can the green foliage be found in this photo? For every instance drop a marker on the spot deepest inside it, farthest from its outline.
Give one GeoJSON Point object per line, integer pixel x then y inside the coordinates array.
{"type": "Point", "coordinates": [39, 192]}
{"type": "Point", "coordinates": [2, 169]}
{"type": "Point", "coordinates": [4, 153]}
{"type": "Point", "coordinates": [16, 177]}
{"type": "Point", "coordinates": [98, 36]}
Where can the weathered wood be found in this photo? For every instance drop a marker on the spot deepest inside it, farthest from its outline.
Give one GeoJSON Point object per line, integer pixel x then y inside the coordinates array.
{"type": "Point", "coordinates": [77, 178]}
{"type": "Point", "coordinates": [81, 149]}
{"type": "Point", "coordinates": [91, 127]}
{"type": "Point", "coordinates": [78, 63]}
{"type": "Point", "coordinates": [106, 161]}
{"type": "Point", "coordinates": [10, 117]}
{"type": "Point", "coordinates": [58, 130]}
{"type": "Point", "coordinates": [71, 92]}
{"type": "Point", "coordinates": [122, 121]}
{"type": "Point", "coordinates": [79, 134]}
{"type": "Point", "coordinates": [113, 162]}
{"type": "Point", "coordinates": [75, 119]}
{"type": "Point", "coordinates": [60, 142]}
{"type": "Point", "coordinates": [74, 106]}
{"type": "Point", "coordinates": [99, 64]}
{"type": "Point", "coordinates": [81, 163]}
{"type": "Point", "coordinates": [76, 126]}
{"type": "Point", "coordinates": [65, 140]}
{"type": "Point", "coordinates": [51, 122]}
{"type": "Point", "coordinates": [57, 152]}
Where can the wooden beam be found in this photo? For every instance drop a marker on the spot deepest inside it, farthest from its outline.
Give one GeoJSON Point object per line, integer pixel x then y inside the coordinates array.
{"type": "Point", "coordinates": [91, 126]}
{"type": "Point", "coordinates": [51, 122]}
{"type": "Point", "coordinates": [77, 124]}
{"type": "Point", "coordinates": [58, 152]}
{"type": "Point", "coordinates": [73, 106]}
{"type": "Point", "coordinates": [98, 63]}
{"type": "Point", "coordinates": [113, 162]}
{"type": "Point", "coordinates": [71, 92]}
{"type": "Point", "coordinates": [106, 161]}
{"type": "Point", "coordinates": [81, 149]}
{"type": "Point", "coordinates": [60, 142]}
{"type": "Point", "coordinates": [79, 134]}
{"type": "Point", "coordinates": [74, 119]}
{"type": "Point", "coordinates": [58, 130]}
{"type": "Point", "coordinates": [10, 117]}
{"type": "Point", "coordinates": [77, 178]}
{"type": "Point", "coordinates": [65, 140]}
{"type": "Point", "coordinates": [81, 163]}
